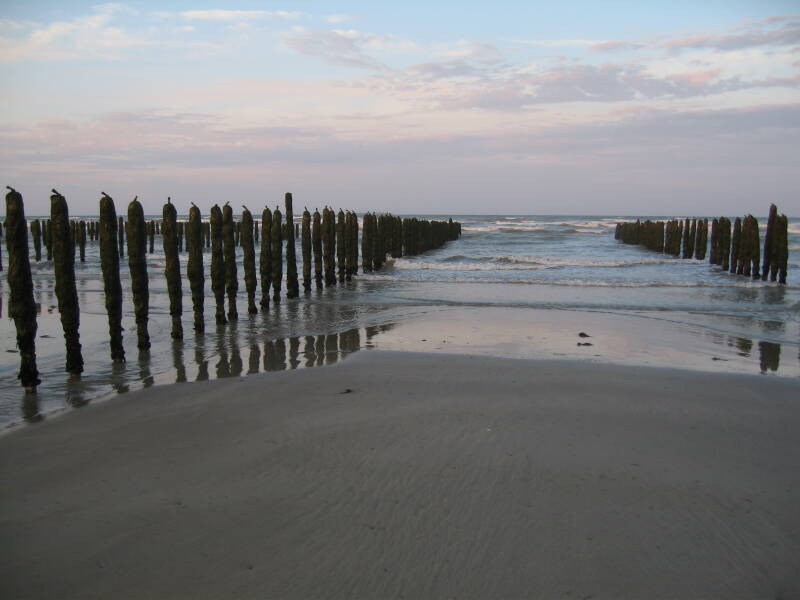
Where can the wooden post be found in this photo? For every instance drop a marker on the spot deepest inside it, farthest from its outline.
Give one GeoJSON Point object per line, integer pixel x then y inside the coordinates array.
{"type": "Point", "coordinates": [137, 265]}
{"type": "Point", "coordinates": [217, 264]}
{"type": "Point", "coordinates": [21, 305]}
{"type": "Point", "coordinates": [769, 248]}
{"type": "Point", "coordinates": [305, 244]}
{"type": "Point", "coordinates": [265, 258]}
{"type": "Point", "coordinates": [277, 254]}
{"type": "Point", "coordinates": [66, 292]}
{"type": "Point", "coordinates": [229, 252]}
{"type": "Point", "coordinates": [316, 244]}
{"type": "Point", "coordinates": [194, 267]}
{"type": "Point", "coordinates": [341, 255]}
{"type": "Point", "coordinates": [82, 239]}
{"type": "Point", "coordinates": [292, 286]}
{"type": "Point", "coordinates": [249, 260]}
{"type": "Point", "coordinates": [172, 268]}
{"type": "Point", "coordinates": [109, 263]}
{"type": "Point", "coordinates": [120, 234]}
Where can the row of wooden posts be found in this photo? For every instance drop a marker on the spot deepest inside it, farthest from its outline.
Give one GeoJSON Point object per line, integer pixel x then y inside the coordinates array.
{"type": "Point", "coordinates": [331, 238]}
{"type": "Point", "coordinates": [735, 248]}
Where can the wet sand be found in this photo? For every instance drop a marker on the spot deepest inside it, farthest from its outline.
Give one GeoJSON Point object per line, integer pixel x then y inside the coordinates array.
{"type": "Point", "coordinates": [413, 475]}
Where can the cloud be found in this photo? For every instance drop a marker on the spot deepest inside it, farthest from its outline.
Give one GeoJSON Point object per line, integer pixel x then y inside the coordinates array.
{"type": "Point", "coordinates": [89, 35]}
{"type": "Point", "coordinates": [335, 19]}
{"type": "Point", "coordinates": [238, 15]}
{"type": "Point", "coordinates": [782, 30]}
{"type": "Point", "coordinates": [345, 47]}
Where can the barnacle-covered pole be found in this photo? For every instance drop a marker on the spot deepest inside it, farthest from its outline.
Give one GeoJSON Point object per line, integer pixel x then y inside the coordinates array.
{"type": "Point", "coordinates": [109, 264]}
{"type": "Point", "coordinates": [21, 305]}
{"type": "Point", "coordinates": [769, 245]}
{"type": "Point", "coordinates": [292, 286]}
{"type": "Point", "coordinates": [172, 267]}
{"type": "Point", "coordinates": [305, 244]}
{"type": "Point", "coordinates": [82, 239]}
{"type": "Point", "coordinates": [341, 256]}
{"type": "Point", "coordinates": [217, 264]}
{"type": "Point", "coordinates": [229, 253]}
{"type": "Point", "coordinates": [66, 292]}
{"type": "Point", "coordinates": [277, 254]}
{"type": "Point", "coordinates": [329, 245]}
{"type": "Point", "coordinates": [121, 235]}
{"type": "Point", "coordinates": [249, 260]}
{"type": "Point", "coordinates": [36, 234]}
{"type": "Point", "coordinates": [265, 258]}
{"type": "Point", "coordinates": [194, 266]}
{"type": "Point", "coordinates": [137, 265]}
{"type": "Point", "coordinates": [316, 244]}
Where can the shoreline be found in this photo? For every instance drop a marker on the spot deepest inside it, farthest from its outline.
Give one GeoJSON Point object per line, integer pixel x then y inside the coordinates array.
{"type": "Point", "coordinates": [434, 475]}
{"type": "Point", "coordinates": [615, 337]}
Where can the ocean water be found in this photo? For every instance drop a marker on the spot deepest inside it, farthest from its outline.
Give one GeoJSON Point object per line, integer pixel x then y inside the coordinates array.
{"type": "Point", "coordinates": [545, 276]}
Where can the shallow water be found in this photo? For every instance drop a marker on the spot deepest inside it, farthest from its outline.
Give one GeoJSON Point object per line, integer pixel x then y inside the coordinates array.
{"type": "Point", "coordinates": [551, 276]}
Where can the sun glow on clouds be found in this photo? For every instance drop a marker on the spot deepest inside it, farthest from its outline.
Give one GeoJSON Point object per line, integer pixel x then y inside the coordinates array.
{"type": "Point", "coordinates": [330, 95]}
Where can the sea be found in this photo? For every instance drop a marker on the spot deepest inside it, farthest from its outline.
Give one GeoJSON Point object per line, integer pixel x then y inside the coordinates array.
{"type": "Point", "coordinates": [519, 286]}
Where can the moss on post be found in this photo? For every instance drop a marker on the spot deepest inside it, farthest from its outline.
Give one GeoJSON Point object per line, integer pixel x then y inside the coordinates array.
{"type": "Point", "coordinates": [172, 268]}
{"type": "Point", "coordinates": [277, 254]}
{"type": "Point", "coordinates": [121, 235]}
{"type": "Point", "coordinates": [329, 245]}
{"type": "Point", "coordinates": [21, 305]}
{"type": "Point", "coordinates": [36, 234]}
{"type": "Point", "coordinates": [769, 245]}
{"type": "Point", "coordinates": [249, 260]}
{"type": "Point", "coordinates": [292, 286]}
{"type": "Point", "coordinates": [137, 265]}
{"type": "Point", "coordinates": [151, 236]}
{"type": "Point", "coordinates": [66, 292]}
{"type": "Point", "coordinates": [229, 254]}
{"type": "Point", "coordinates": [217, 264]}
{"type": "Point", "coordinates": [265, 259]}
{"type": "Point", "coordinates": [82, 239]}
{"type": "Point", "coordinates": [305, 245]}
{"type": "Point", "coordinates": [341, 241]}
{"type": "Point", "coordinates": [194, 266]}
{"type": "Point", "coordinates": [316, 244]}
{"type": "Point", "coordinates": [109, 263]}
{"type": "Point", "coordinates": [781, 241]}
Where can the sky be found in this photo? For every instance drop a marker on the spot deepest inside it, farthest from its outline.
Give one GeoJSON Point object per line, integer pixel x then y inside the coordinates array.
{"type": "Point", "coordinates": [631, 108]}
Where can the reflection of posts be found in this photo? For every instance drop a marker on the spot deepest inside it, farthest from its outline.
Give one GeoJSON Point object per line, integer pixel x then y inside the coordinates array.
{"type": "Point", "coordinates": [177, 361]}
{"type": "Point", "coordinates": [223, 367]}
{"type": "Point", "coordinates": [331, 349]}
{"type": "Point", "coordinates": [254, 359]}
{"type": "Point", "coordinates": [309, 353]}
{"type": "Point", "coordinates": [200, 360]}
{"type": "Point", "coordinates": [280, 354]}
{"type": "Point", "coordinates": [769, 356]}
{"type": "Point", "coordinates": [294, 352]}
{"type": "Point", "coordinates": [236, 357]}
{"type": "Point", "coordinates": [320, 348]}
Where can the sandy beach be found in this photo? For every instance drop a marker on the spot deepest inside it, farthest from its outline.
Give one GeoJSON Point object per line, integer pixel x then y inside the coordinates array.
{"type": "Point", "coordinates": [413, 475]}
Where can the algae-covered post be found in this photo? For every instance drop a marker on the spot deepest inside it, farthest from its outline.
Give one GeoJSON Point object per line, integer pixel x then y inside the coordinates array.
{"type": "Point", "coordinates": [66, 292]}
{"type": "Point", "coordinates": [109, 264]}
{"type": "Point", "coordinates": [305, 245]}
{"type": "Point", "coordinates": [265, 258]}
{"type": "Point", "coordinates": [172, 268]}
{"type": "Point", "coordinates": [194, 266]}
{"type": "Point", "coordinates": [277, 254]}
{"type": "Point", "coordinates": [292, 286]}
{"type": "Point", "coordinates": [48, 239]}
{"type": "Point", "coordinates": [21, 305]}
{"type": "Point", "coordinates": [341, 256]}
{"type": "Point", "coordinates": [217, 264]}
{"type": "Point", "coordinates": [725, 242]}
{"type": "Point", "coordinates": [781, 241]}
{"type": "Point", "coordinates": [735, 245]}
{"type": "Point", "coordinates": [137, 265]}
{"type": "Point", "coordinates": [229, 254]}
{"type": "Point", "coordinates": [82, 239]}
{"type": "Point", "coordinates": [769, 245]}
{"type": "Point", "coordinates": [120, 235]}
{"type": "Point", "coordinates": [316, 244]}
{"type": "Point", "coordinates": [151, 236]}
{"type": "Point", "coordinates": [249, 260]}
{"type": "Point", "coordinates": [351, 245]}
{"type": "Point", "coordinates": [329, 245]}
{"type": "Point", "coordinates": [366, 244]}
{"type": "Point", "coordinates": [36, 234]}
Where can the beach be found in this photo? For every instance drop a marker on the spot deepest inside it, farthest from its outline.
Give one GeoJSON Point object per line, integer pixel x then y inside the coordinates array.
{"type": "Point", "coordinates": [404, 474]}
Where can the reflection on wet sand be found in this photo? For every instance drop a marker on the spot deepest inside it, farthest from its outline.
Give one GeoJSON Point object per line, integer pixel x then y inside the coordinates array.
{"type": "Point", "coordinates": [769, 356]}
